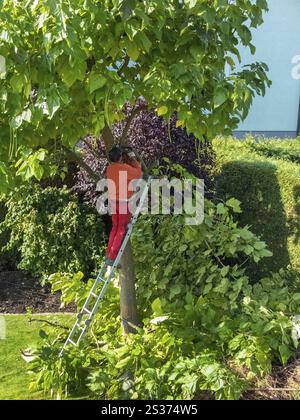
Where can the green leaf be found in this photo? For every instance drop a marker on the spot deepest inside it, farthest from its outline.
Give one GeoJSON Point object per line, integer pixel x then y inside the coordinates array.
{"type": "Point", "coordinates": [53, 104]}
{"type": "Point", "coordinates": [37, 170]}
{"type": "Point", "coordinates": [191, 3]}
{"type": "Point", "coordinates": [245, 234]}
{"type": "Point", "coordinates": [68, 76]}
{"type": "Point", "coordinates": [234, 204]}
{"type": "Point", "coordinates": [224, 271]}
{"type": "Point", "coordinates": [96, 81]}
{"type": "Point", "coordinates": [223, 286]}
{"type": "Point", "coordinates": [132, 49]}
{"type": "Point", "coordinates": [142, 37]}
{"type": "Point", "coordinates": [259, 245]}
{"type": "Point", "coordinates": [175, 290]}
{"type": "Point", "coordinates": [156, 306]}
{"type": "Point", "coordinates": [17, 82]}
{"type": "Point", "coordinates": [285, 353]}
{"type": "Point", "coordinates": [220, 97]}
{"type": "Point", "coordinates": [266, 253]}
{"type": "Point", "coordinates": [41, 155]}
{"type": "Point", "coordinates": [248, 249]}
{"type": "Point", "coordinates": [221, 209]}
{"type": "Point", "coordinates": [163, 110]}
{"type": "Point", "coordinates": [100, 123]}
{"type": "Point", "coordinates": [80, 68]}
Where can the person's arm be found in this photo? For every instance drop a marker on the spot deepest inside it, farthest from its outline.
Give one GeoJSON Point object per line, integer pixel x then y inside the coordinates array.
{"type": "Point", "coordinates": [134, 163]}
{"type": "Point", "coordinates": [134, 169]}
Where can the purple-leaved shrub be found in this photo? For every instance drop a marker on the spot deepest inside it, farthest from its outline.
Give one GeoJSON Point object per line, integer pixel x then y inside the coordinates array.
{"type": "Point", "coordinates": [154, 139]}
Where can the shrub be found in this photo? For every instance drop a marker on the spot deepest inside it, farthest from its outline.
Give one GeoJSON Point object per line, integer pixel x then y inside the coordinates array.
{"type": "Point", "coordinates": [266, 179]}
{"type": "Point", "coordinates": [52, 231]}
{"type": "Point", "coordinates": [8, 259]}
{"type": "Point", "coordinates": [206, 328]}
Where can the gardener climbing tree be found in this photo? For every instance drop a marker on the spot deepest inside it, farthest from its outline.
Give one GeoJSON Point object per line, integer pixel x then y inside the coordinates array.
{"type": "Point", "coordinates": [68, 67]}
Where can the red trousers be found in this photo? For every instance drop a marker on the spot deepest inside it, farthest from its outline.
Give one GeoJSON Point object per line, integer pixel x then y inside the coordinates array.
{"type": "Point", "coordinates": [119, 226]}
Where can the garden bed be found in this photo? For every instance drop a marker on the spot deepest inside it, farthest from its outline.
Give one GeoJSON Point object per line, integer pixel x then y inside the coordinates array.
{"type": "Point", "coordinates": [20, 292]}
{"type": "Point", "coordinates": [282, 384]}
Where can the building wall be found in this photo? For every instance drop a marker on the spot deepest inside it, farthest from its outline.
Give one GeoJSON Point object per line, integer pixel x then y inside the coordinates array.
{"type": "Point", "coordinates": [278, 44]}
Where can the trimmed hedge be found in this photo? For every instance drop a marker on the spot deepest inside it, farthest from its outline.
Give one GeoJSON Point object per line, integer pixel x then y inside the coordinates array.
{"type": "Point", "coordinates": [265, 177]}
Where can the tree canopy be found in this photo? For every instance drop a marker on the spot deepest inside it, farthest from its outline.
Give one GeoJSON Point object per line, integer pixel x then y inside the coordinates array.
{"type": "Point", "coordinates": [69, 66]}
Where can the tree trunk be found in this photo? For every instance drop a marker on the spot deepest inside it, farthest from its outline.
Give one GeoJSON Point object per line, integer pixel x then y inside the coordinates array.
{"type": "Point", "coordinates": [128, 304]}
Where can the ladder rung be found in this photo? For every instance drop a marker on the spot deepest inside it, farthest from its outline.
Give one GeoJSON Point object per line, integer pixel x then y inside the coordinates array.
{"type": "Point", "coordinates": [72, 342]}
{"type": "Point", "coordinates": [87, 311]}
{"type": "Point", "coordinates": [94, 295]}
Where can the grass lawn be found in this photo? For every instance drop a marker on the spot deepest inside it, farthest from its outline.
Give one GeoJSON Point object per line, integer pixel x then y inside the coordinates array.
{"type": "Point", "coordinates": [20, 334]}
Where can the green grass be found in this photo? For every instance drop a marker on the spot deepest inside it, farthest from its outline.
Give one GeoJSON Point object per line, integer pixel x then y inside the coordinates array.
{"type": "Point", "coordinates": [21, 334]}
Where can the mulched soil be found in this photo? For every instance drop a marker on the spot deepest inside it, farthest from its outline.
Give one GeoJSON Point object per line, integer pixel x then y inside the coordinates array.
{"type": "Point", "coordinates": [19, 291]}
{"type": "Point", "coordinates": [282, 384]}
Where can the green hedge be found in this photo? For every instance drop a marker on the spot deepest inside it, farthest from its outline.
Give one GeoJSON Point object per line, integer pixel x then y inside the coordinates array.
{"type": "Point", "coordinates": [265, 177]}
{"type": "Point", "coordinates": [52, 231]}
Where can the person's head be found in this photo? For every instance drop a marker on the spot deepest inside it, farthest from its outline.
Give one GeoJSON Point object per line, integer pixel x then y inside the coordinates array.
{"type": "Point", "coordinates": [115, 154]}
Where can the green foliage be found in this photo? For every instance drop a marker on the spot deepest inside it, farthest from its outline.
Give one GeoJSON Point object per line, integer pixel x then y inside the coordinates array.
{"type": "Point", "coordinates": [265, 177]}
{"type": "Point", "coordinates": [205, 327]}
{"type": "Point", "coordinates": [8, 259]}
{"type": "Point", "coordinates": [59, 376]}
{"type": "Point", "coordinates": [40, 163]}
{"type": "Point", "coordinates": [70, 67]}
{"type": "Point", "coordinates": [52, 231]}
{"type": "Point", "coordinates": [182, 256]}
{"type": "Point", "coordinates": [288, 150]}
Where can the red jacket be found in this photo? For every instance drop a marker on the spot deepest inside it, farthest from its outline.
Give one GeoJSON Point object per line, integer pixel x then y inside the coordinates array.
{"type": "Point", "coordinates": [120, 175]}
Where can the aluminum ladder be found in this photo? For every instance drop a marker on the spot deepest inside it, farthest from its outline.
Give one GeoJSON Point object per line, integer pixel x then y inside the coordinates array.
{"type": "Point", "coordinates": [94, 298]}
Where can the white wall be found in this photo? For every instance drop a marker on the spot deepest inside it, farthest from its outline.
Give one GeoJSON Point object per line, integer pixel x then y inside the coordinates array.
{"type": "Point", "coordinates": [278, 43]}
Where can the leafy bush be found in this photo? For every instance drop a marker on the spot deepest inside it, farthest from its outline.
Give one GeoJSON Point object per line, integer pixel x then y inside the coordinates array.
{"type": "Point", "coordinates": [52, 231]}
{"type": "Point", "coordinates": [266, 179]}
{"type": "Point", "coordinates": [8, 259]}
{"type": "Point", "coordinates": [181, 256]}
{"type": "Point", "coordinates": [206, 328]}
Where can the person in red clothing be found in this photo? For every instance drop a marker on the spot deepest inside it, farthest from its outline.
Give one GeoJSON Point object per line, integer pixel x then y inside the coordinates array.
{"type": "Point", "coordinates": [123, 169]}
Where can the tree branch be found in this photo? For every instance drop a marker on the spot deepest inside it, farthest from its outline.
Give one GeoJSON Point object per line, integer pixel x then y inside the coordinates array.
{"type": "Point", "coordinates": [108, 138]}
{"type": "Point", "coordinates": [129, 121]}
{"type": "Point", "coordinates": [45, 321]}
{"type": "Point", "coordinates": [75, 157]}
{"type": "Point", "coordinates": [141, 160]}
